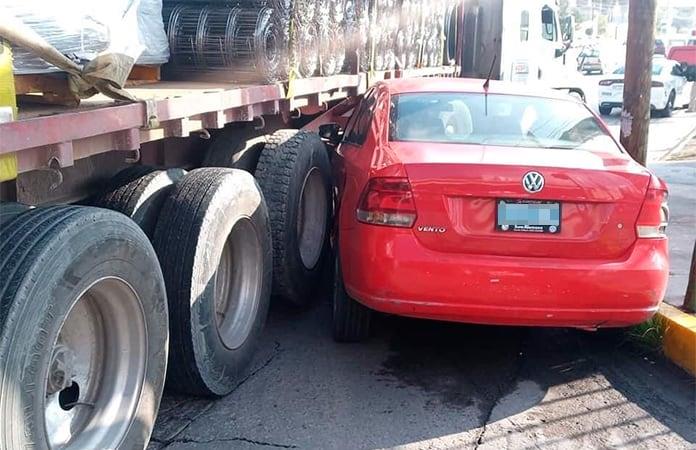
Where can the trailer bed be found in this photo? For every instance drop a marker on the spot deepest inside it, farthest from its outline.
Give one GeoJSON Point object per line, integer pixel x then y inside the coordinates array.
{"type": "Point", "coordinates": [45, 133]}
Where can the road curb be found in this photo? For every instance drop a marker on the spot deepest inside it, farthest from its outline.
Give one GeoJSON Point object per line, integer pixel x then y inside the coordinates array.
{"type": "Point", "coordinates": [679, 342]}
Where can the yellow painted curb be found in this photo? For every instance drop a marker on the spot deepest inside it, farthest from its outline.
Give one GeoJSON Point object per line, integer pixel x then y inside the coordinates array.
{"type": "Point", "coordinates": [679, 343]}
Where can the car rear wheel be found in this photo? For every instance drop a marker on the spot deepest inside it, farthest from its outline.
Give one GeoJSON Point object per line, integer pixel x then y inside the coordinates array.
{"type": "Point", "coordinates": [214, 244]}
{"type": "Point", "coordinates": [605, 110]}
{"type": "Point", "coordinates": [667, 110]}
{"type": "Point", "coordinates": [295, 177]}
{"type": "Point", "coordinates": [351, 320]}
{"type": "Point", "coordinates": [83, 330]}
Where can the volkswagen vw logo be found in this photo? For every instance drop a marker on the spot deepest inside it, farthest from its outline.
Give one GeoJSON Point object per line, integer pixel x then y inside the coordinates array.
{"type": "Point", "coordinates": [533, 182]}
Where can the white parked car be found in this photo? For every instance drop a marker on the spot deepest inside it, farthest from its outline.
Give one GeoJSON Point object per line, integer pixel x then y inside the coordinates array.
{"type": "Point", "coordinates": [667, 90]}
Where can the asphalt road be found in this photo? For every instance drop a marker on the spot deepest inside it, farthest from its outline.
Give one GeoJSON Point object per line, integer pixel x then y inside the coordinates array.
{"type": "Point", "coordinates": [428, 385]}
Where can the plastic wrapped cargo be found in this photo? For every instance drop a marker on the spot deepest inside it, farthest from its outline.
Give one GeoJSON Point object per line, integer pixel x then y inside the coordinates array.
{"type": "Point", "coordinates": [82, 29]}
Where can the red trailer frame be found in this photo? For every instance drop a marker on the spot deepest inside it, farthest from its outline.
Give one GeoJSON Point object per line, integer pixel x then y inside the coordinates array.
{"type": "Point", "coordinates": [44, 136]}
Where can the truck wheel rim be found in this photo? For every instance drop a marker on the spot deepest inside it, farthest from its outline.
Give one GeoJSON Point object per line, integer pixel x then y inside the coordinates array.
{"type": "Point", "coordinates": [97, 368]}
{"type": "Point", "coordinates": [238, 283]}
{"type": "Point", "coordinates": [311, 218]}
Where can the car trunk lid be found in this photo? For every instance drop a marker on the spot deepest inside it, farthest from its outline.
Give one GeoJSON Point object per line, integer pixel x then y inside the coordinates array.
{"type": "Point", "coordinates": [457, 189]}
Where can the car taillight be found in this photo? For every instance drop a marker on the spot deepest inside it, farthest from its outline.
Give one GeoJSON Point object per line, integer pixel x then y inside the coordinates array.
{"type": "Point", "coordinates": [654, 215]}
{"type": "Point", "coordinates": [388, 202]}
{"type": "Point", "coordinates": [657, 84]}
{"type": "Point", "coordinates": [606, 82]}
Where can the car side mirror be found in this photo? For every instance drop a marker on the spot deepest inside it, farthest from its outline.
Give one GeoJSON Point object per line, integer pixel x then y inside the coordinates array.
{"type": "Point", "coordinates": [330, 132]}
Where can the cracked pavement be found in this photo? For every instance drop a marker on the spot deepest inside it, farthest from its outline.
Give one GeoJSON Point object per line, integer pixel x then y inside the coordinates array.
{"type": "Point", "coordinates": [428, 385]}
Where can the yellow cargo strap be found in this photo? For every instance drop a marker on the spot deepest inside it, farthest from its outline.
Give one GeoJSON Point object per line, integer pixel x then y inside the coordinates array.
{"type": "Point", "coordinates": [8, 167]}
{"type": "Point", "coordinates": [8, 161]}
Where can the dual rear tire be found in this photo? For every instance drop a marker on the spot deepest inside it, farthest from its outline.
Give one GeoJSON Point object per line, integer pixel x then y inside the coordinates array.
{"type": "Point", "coordinates": [213, 242]}
{"type": "Point", "coordinates": [211, 232]}
{"type": "Point", "coordinates": [80, 284]}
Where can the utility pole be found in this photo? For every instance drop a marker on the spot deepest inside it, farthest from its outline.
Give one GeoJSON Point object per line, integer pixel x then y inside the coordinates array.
{"type": "Point", "coordinates": [640, 44]}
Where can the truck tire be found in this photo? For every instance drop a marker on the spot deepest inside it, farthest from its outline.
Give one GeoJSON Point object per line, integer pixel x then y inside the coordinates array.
{"type": "Point", "coordinates": [235, 148]}
{"type": "Point", "coordinates": [140, 197]}
{"type": "Point", "coordinates": [278, 138]}
{"type": "Point", "coordinates": [295, 178]}
{"type": "Point", "coordinates": [83, 330]}
{"type": "Point", "coordinates": [10, 210]}
{"type": "Point", "coordinates": [351, 320]}
{"type": "Point", "coordinates": [213, 240]}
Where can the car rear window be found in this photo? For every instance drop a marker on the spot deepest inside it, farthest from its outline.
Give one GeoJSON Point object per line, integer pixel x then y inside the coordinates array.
{"type": "Point", "coordinates": [656, 69]}
{"type": "Point", "coordinates": [505, 120]}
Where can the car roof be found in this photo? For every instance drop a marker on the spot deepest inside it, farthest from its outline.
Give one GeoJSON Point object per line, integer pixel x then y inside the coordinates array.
{"type": "Point", "coordinates": [469, 85]}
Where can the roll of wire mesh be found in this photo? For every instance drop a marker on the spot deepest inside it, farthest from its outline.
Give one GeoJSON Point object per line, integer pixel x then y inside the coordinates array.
{"type": "Point", "coordinates": [304, 10]}
{"type": "Point", "coordinates": [332, 43]}
{"type": "Point", "coordinates": [265, 39]}
{"type": "Point", "coordinates": [322, 15]}
{"type": "Point", "coordinates": [450, 32]}
{"type": "Point", "coordinates": [306, 50]}
{"type": "Point", "coordinates": [387, 23]}
{"type": "Point", "coordinates": [259, 45]}
{"type": "Point", "coordinates": [363, 49]}
{"type": "Point", "coordinates": [338, 19]}
{"type": "Point", "coordinates": [248, 43]}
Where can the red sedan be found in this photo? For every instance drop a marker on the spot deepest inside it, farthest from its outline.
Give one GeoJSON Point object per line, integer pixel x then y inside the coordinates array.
{"type": "Point", "coordinates": [496, 205]}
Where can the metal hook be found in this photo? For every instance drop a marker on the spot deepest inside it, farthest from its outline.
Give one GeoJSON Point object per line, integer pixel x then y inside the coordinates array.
{"type": "Point", "coordinates": [299, 114]}
{"type": "Point", "coordinates": [54, 167]}
{"type": "Point", "coordinates": [262, 123]}
{"type": "Point", "coordinates": [204, 134]}
{"type": "Point", "coordinates": [135, 158]}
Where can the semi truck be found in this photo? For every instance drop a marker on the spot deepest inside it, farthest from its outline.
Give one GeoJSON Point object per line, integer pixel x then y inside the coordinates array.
{"type": "Point", "coordinates": [141, 242]}
{"type": "Point", "coordinates": [524, 42]}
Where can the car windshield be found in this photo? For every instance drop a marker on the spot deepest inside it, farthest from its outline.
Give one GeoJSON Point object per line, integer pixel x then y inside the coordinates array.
{"type": "Point", "coordinates": [506, 120]}
{"type": "Point", "coordinates": [656, 69]}
{"type": "Point", "coordinates": [590, 53]}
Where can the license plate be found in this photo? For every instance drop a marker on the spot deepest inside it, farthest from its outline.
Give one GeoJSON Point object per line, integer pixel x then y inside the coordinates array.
{"type": "Point", "coordinates": [528, 216]}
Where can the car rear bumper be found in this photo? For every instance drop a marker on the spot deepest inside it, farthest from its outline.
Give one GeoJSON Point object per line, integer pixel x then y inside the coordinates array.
{"type": "Point", "coordinates": [609, 98]}
{"type": "Point", "coordinates": [391, 272]}
{"type": "Point", "coordinates": [615, 104]}
{"type": "Point", "coordinates": [591, 66]}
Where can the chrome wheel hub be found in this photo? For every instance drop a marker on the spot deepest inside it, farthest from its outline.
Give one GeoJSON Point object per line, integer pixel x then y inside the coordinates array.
{"type": "Point", "coordinates": [311, 218]}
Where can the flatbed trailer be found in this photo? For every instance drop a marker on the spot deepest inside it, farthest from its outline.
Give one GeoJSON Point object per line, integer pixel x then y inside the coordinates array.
{"type": "Point", "coordinates": [171, 109]}
{"type": "Point", "coordinates": [97, 305]}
